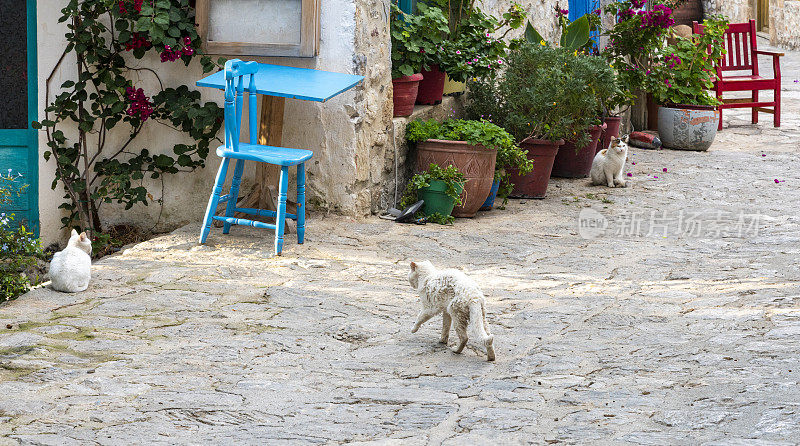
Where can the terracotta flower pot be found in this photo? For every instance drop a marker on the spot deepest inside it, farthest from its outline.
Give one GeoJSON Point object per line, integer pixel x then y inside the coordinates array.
{"type": "Point", "coordinates": [405, 94]}
{"type": "Point", "coordinates": [574, 162]}
{"type": "Point", "coordinates": [431, 87]}
{"type": "Point", "coordinates": [534, 184]}
{"type": "Point", "coordinates": [612, 131]}
{"type": "Point", "coordinates": [475, 162]}
{"type": "Point", "coordinates": [687, 127]}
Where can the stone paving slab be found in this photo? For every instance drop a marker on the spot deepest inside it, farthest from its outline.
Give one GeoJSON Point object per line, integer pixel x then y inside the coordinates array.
{"type": "Point", "coordinates": [632, 337]}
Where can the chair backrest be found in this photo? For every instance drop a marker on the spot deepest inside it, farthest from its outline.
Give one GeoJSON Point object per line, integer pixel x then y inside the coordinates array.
{"type": "Point", "coordinates": [235, 71]}
{"type": "Point", "coordinates": [740, 46]}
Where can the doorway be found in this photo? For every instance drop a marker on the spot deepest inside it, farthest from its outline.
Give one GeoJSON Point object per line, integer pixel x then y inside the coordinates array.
{"type": "Point", "coordinates": [762, 16]}
{"type": "Point", "coordinates": [19, 148]}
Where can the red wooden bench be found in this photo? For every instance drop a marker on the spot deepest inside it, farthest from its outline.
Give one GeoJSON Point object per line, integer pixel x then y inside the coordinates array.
{"type": "Point", "coordinates": [742, 56]}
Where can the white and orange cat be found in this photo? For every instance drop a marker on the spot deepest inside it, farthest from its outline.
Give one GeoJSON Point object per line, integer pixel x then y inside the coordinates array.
{"type": "Point", "coordinates": [609, 164]}
{"type": "Point", "coordinates": [457, 297]}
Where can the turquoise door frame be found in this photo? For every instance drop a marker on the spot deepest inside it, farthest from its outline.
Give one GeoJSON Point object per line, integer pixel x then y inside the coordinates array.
{"type": "Point", "coordinates": [19, 147]}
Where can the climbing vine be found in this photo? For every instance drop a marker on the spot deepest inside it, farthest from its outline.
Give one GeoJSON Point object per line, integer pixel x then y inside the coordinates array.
{"type": "Point", "coordinates": [93, 166]}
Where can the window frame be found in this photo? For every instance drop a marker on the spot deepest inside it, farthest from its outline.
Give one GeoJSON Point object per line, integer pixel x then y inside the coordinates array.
{"type": "Point", "coordinates": [309, 35]}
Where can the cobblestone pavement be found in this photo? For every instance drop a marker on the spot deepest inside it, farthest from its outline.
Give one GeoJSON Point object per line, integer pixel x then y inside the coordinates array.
{"type": "Point", "coordinates": [647, 334]}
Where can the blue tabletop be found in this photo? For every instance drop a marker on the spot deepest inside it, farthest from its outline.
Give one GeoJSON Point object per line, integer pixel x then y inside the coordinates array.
{"type": "Point", "coordinates": [290, 82]}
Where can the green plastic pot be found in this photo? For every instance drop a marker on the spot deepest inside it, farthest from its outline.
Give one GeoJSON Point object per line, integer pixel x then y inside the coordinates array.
{"type": "Point", "coordinates": [436, 200]}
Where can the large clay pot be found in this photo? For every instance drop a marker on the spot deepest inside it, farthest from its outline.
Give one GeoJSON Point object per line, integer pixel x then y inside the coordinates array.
{"type": "Point", "coordinates": [534, 184]}
{"type": "Point", "coordinates": [475, 162]}
{"type": "Point", "coordinates": [687, 127]}
{"type": "Point", "coordinates": [612, 131]}
{"type": "Point", "coordinates": [576, 162]}
{"type": "Point", "coordinates": [431, 87]}
{"type": "Point", "coordinates": [405, 94]}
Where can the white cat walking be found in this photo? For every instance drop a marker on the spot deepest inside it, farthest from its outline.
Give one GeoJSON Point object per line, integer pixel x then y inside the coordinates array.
{"type": "Point", "coordinates": [609, 164]}
{"type": "Point", "coordinates": [457, 297]}
{"type": "Point", "coordinates": [70, 269]}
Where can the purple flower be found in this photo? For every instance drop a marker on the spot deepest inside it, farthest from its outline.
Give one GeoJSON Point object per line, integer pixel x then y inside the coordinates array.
{"type": "Point", "coordinates": [630, 174]}
{"type": "Point", "coordinates": [665, 170]}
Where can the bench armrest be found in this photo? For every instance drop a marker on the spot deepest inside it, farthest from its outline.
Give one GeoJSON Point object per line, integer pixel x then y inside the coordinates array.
{"type": "Point", "coordinates": [769, 53]}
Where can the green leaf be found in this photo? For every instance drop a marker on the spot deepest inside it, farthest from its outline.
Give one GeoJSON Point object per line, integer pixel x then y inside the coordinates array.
{"type": "Point", "coordinates": [576, 34]}
{"type": "Point", "coordinates": [533, 36]}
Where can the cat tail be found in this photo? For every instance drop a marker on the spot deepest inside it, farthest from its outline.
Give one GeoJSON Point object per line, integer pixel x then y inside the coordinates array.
{"type": "Point", "coordinates": [477, 317]}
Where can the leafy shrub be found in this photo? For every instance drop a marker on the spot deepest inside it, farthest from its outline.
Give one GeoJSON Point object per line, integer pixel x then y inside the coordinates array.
{"type": "Point", "coordinates": [492, 136]}
{"type": "Point", "coordinates": [546, 93]}
{"type": "Point", "coordinates": [636, 36]}
{"type": "Point", "coordinates": [453, 179]}
{"type": "Point", "coordinates": [470, 50]}
{"type": "Point", "coordinates": [92, 122]}
{"type": "Point", "coordinates": [19, 249]}
{"type": "Point", "coordinates": [683, 73]}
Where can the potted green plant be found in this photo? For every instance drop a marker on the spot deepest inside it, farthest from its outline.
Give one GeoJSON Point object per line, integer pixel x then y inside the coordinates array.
{"type": "Point", "coordinates": [637, 36]}
{"type": "Point", "coordinates": [680, 81]}
{"type": "Point", "coordinates": [482, 151]}
{"type": "Point", "coordinates": [613, 103]}
{"type": "Point", "coordinates": [541, 102]}
{"type": "Point", "coordinates": [440, 188]}
{"type": "Point", "coordinates": [416, 41]}
{"type": "Point", "coordinates": [471, 49]}
{"type": "Point", "coordinates": [597, 81]}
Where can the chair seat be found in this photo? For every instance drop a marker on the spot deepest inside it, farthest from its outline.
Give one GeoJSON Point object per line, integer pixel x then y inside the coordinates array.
{"type": "Point", "coordinates": [281, 156]}
{"type": "Point", "coordinates": [746, 82]}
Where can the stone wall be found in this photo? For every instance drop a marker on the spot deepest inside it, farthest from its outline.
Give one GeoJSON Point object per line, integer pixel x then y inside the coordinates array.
{"type": "Point", "coordinates": [785, 23]}
{"type": "Point", "coordinates": [733, 10]}
{"type": "Point", "coordinates": [784, 20]}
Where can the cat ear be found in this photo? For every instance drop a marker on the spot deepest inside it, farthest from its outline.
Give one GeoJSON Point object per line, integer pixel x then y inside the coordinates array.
{"type": "Point", "coordinates": [83, 236]}
{"type": "Point", "coordinates": [73, 233]}
{"type": "Point", "coordinates": [413, 266]}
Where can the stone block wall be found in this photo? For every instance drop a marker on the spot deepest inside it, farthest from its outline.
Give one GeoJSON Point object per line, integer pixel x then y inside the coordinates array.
{"type": "Point", "coordinates": [785, 23]}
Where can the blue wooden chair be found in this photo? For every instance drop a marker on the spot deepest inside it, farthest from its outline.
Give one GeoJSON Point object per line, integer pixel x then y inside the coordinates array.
{"type": "Point", "coordinates": [235, 70]}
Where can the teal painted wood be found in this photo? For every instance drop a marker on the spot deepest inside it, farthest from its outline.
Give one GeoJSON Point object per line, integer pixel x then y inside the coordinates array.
{"type": "Point", "coordinates": [234, 74]}
{"type": "Point", "coordinates": [290, 82]}
{"type": "Point", "coordinates": [19, 146]}
{"type": "Point", "coordinates": [407, 6]}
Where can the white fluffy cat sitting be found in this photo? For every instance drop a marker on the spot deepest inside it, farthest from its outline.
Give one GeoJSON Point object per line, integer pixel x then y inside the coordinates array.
{"type": "Point", "coordinates": [70, 269]}
{"type": "Point", "coordinates": [457, 297]}
{"type": "Point", "coordinates": [609, 164]}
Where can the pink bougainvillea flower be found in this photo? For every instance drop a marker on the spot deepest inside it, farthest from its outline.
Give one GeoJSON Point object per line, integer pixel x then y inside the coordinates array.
{"type": "Point", "coordinates": [630, 174]}
{"type": "Point", "coordinates": [763, 154]}
{"type": "Point", "coordinates": [779, 181]}
{"type": "Point", "coordinates": [633, 163]}
{"type": "Point", "coordinates": [665, 170]}
{"type": "Point", "coordinates": [458, 51]}
{"type": "Point", "coordinates": [655, 176]}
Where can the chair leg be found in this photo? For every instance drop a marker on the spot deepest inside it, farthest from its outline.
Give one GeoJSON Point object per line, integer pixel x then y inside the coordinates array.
{"type": "Point", "coordinates": [755, 111]}
{"type": "Point", "coordinates": [234, 194]}
{"type": "Point", "coordinates": [214, 200]}
{"type": "Point", "coordinates": [777, 117]}
{"type": "Point", "coordinates": [719, 98]}
{"type": "Point", "coordinates": [301, 202]}
{"type": "Point", "coordinates": [280, 219]}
